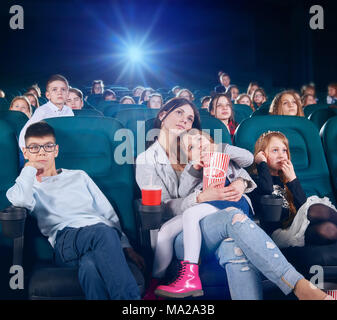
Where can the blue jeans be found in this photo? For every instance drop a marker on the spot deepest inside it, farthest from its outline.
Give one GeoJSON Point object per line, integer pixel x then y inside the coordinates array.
{"type": "Point", "coordinates": [103, 271]}
{"type": "Point", "coordinates": [242, 249]}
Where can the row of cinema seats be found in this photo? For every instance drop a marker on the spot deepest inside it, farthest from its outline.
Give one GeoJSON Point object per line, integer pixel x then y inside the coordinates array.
{"type": "Point", "coordinates": [90, 143]}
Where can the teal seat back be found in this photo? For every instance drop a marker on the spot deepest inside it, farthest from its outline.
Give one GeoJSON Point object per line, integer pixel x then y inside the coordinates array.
{"type": "Point", "coordinates": [92, 144]}
{"type": "Point", "coordinates": [9, 160]}
{"type": "Point", "coordinates": [241, 112]}
{"type": "Point", "coordinates": [216, 129]}
{"type": "Point", "coordinates": [305, 145]}
{"type": "Point", "coordinates": [111, 110]}
{"type": "Point", "coordinates": [4, 104]}
{"type": "Point", "coordinates": [88, 113]}
{"type": "Point", "coordinates": [102, 104]}
{"type": "Point", "coordinates": [263, 110]}
{"type": "Point", "coordinates": [94, 99]}
{"type": "Point", "coordinates": [308, 110]}
{"type": "Point", "coordinates": [329, 139]}
{"type": "Point", "coordinates": [134, 120]}
{"type": "Point", "coordinates": [16, 119]}
{"type": "Point", "coordinates": [320, 116]}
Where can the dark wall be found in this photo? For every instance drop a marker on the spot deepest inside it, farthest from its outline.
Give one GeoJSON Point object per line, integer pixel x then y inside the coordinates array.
{"type": "Point", "coordinates": [190, 41]}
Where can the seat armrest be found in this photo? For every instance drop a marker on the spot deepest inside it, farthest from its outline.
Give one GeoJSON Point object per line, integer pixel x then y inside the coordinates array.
{"type": "Point", "coordinates": [150, 216]}
{"type": "Point", "coordinates": [13, 226]}
{"type": "Point", "coordinates": [13, 221]}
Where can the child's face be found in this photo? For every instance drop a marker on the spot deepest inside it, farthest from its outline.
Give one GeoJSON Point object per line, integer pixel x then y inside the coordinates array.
{"type": "Point", "coordinates": [225, 81]}
{"type": "Point", "coordinates": [127, 101]}
{"type": "Point", "coordinates": [332, 92]}
{"type": "Point", "coordinates": [223, 110]}
{"type": "Point", "coordinates": [245, 100]}
{"type": "Point", "coordinates": [185, 95]}
{"type": "Point", "coordinates": [309, 91]}
{"type": "Point", "coordinates": [98, 89]}
{"type": "Point", "coordinates": [288, 105]}
{"type": "Point", "coordinates": [310, 100]}
{"type": "Point", "coordinates": [32, 100]}
{"type": "Point", "coordinates": [259, 97]}
{"type": "Point", "coordinates": [235, 93]}
{"type": "Point", "coordinates": [42, 156]}
{"type": "Point", "coordinates": [110, 98]}
{"type": "Point", "coordinates": [276, 153]}
{"type": "Point", "coordinates": [22, 106]}
{"type": "Point", "coordinates": [195, 145]}
{"type": "Point", "coordinates": [74, 101]}
{"type": "Point", "coordinates": [155, 102]}
{"type": "Point", "coordinates": [57, 92]}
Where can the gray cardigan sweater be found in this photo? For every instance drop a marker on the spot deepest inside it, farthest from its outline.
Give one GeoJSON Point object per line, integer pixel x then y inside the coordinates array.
{"type": "Point", "coordinates": [179, 194]}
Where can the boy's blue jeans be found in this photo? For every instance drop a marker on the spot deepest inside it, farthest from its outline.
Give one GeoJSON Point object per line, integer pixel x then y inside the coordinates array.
{"type": "Point", "coordinates": [244, 250]}
{"type": "Point", "coordinates": [103, 271]}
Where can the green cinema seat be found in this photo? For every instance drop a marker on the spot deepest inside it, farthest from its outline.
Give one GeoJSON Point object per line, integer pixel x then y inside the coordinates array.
{"type": "Point", "coordinates": [309, 109]}
{"type": "Point", "coordinates": [241, 112]}
{"type": "Point", "coordinates": [16, 119]}
{"type": "Point", "coordinates": [320, 116]}
{"type": "Point", "coordinates": [89, 144]}
{"type": "Point", "coordinates": [329, 138]}
{"type": "Point", "coordinates": [305, 148]}
{"type": "Point", "coordinates": [216, 129]}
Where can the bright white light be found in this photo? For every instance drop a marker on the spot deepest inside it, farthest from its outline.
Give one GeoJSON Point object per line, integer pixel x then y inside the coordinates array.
{"type": "Point", "coordinates": [135, 54]}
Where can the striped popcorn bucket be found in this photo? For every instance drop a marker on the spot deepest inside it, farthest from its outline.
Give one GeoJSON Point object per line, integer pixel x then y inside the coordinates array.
{"type": "Point", "coordinates": [216, 166]}
{"type": "Point", "coordinates": [332, 293]}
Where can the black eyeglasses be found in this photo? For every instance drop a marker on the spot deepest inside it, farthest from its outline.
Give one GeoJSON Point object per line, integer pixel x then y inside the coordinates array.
{"type": "Point", "coordinates": [35, 148]}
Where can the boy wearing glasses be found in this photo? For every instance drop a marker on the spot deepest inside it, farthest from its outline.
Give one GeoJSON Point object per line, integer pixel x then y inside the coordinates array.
{"type": "Point", "coordinates": [57, 91]}
{"type": "Point", "coordinates": [80, 223]}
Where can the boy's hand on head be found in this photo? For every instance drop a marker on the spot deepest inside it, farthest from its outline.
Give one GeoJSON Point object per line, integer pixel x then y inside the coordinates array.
{"type": "Point", "coordinates": [260, 157]}
{"type": "Point", "coordinates": [288, 171]}
{"type": "Point", "coordinates": [37, 165]}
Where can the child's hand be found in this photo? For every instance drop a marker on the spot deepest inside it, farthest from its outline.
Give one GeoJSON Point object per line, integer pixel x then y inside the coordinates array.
{"type": "Point", "coordinates": [39, 166]}
{"type": "Point", "coordinates": [215, 191]}
{"type": "Point", "coordinates": [288, 171]}
{"type": "Point", "coordinates": [260, 157]}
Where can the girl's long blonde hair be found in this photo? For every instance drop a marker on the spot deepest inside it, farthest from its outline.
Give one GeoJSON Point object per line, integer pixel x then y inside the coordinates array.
{"type": "Point", "coordinates": [262, 145]}
{"type": "Point", "coordinates": [276, 107]}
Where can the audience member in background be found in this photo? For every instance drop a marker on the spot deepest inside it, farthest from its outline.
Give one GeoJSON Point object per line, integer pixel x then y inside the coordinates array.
{"type": "Point", "coordinates": [234, 91]}
{"type": "Point", "coordinates": [175, 90]}
{"type": "Point", "coordinates": [21, 103]}
{"type": "Point", "coordinates": [35, 89]}
{"type": "Point", "coordinates": [109, 95]}
{"type": "Point", "coordinates": [144, 98]}
{"type": "Point", "coordinates": [57, 90]}
{"type": "Point", "coordinates": [97, 87]}
{"type": "Point", "coordinates": [309, 89]}
{"type": "Point", "coordinates": [205, 102]}
{"type": "Point", "coordinates": [244, 99]}
{"type": "Point", "coordinates": [252, 87]}
{"type": "Point", "coordinates": [155, 101]}
{"type": "Point", "coordinates": [34, 101]}
{"type": "Point", "coordinates": [137, 92]}
{"type": "Point", "coordinates": [75, 99]}
{"type": "Point", "coordinates": [127, 100]}
{"type": "Point", "coordinates": [225, 83]}
{"type": "Point", "coordinates": [259, 97]}
{"type": "Point", "coordinates": [304, 221]}
{"type": "Point", "coordinates": [185, 94]}
{"type": "Point", "coordinates": [2, 94]}
{"type": "Point", "coordinates": [221, 108]}
{"type": "Point", "coordinates": [308, 99]}
{"type": "Point", "coordinates": [332, 94]}
{"type": "Point", "coordinates": [286, 104]}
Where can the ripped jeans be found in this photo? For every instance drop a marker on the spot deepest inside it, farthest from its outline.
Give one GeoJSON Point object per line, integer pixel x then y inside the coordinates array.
{"type": "Point", "coordinates": [244, 250]}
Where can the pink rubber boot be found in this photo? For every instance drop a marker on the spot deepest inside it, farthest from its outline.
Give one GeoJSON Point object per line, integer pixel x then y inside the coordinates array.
{"type": "Point", "coordinates": [186, 284]}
